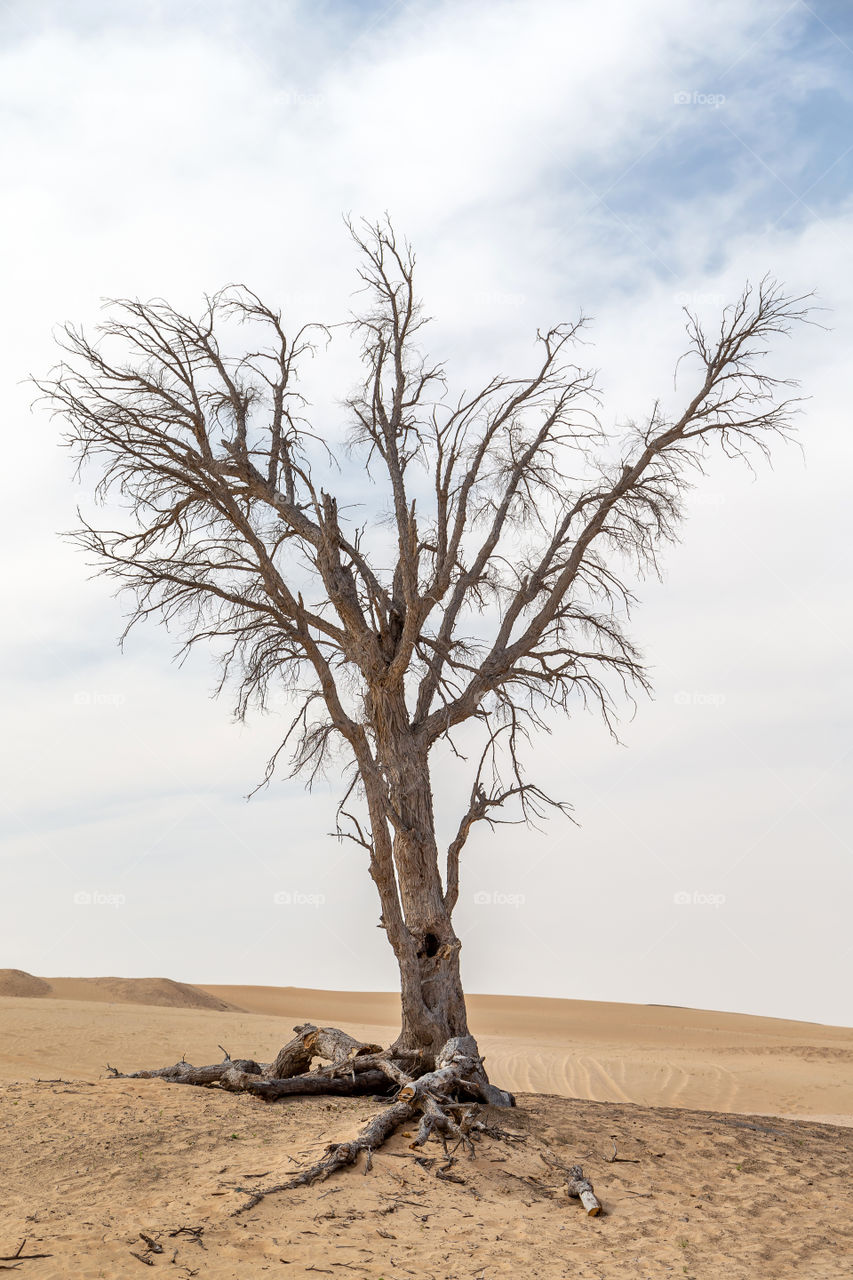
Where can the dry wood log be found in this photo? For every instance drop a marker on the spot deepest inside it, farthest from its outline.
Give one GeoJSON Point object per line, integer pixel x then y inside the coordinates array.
{"type": "Point", "coordinates": [577, 1186]}
{"type": "Point", "coordinates": [476, 1083]}
{"type": "Point", "coordinates": [440, 1082]}
{"type": "Point", "coordinates": [312, 1082]}
{"type": "Point", "coordinates": [428, 1094]}
{"type": "Point", "coordinates": [185, 1073]}
{"type": "Point", "coordinates": [370, 1062]}
{"type": "Point", "coordinates": [580, 1188]}
{"type": "Point", "coordinates": [340, 1154]}
{"type": "Point", "coordinates": [293, 1059]}
{"type": "Point", "coordinates": [335, 1045]}
{"type": "Point", "coordinates": [312, 1042]}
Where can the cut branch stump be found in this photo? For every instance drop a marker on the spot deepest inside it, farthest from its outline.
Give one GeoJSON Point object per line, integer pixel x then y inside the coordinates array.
{"type": "Point", "coordinates": [580, 1188]}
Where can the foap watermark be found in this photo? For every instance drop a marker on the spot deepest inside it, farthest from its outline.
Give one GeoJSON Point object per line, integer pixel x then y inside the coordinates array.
{"type": "Point", "coordinates": [694, 300]}
{"type": "Point", "coordinates": [684, 698]}
{"type": "Point", "coordinates": [97, 898]}
{"type": "Point", "coordinates": [695, 898]}
{"type": "Point", "coordinates": [487, 899]}
{"type": "Point", "coordinates": [696, 99]}
{"type": "Point", "coordinates": [498, 300]}
{"type": "Point", "coordinates": [295, 898]}
{"type": "Point", "coordinates": [91, 698]}
{"type": "Point", "coordinates": [299, 98]}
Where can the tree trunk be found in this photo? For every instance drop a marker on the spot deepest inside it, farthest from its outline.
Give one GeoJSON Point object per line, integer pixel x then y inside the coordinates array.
{"type": "Point", "coordinates": [433, 1003]}
{"type": "Point", "coordinates": [426, 946]}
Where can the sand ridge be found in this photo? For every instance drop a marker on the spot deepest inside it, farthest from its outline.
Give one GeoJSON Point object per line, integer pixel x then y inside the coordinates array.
{"type": "Point", "coordinates": [164, 992]}
{"type": "Point", "coordinates": [657, 1055]}
{"type": "Point", "coordinates": [15, 982]}
{"type": "Point", "coordinates": [646, 1054]}
{"type": "Point", "coordinates": [156, 991]}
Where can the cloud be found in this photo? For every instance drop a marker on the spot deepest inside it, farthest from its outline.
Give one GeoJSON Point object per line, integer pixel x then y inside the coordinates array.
{"type": "Point", "coordinates": [542, 158]}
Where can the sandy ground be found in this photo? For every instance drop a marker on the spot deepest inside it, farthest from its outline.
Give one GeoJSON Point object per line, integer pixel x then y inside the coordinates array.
{"type": "Point", "coordinates": [86, 1164]}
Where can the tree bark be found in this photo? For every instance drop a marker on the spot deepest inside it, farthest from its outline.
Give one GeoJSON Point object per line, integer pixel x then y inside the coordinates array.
{"type": "Point", "coordinates": [310, 1042]}
{"type": "Point", "coordinates": [186, 1073]}
{"type": "Point", "coordinates": [427, 948]}
{"type": "Point", "coordinates": [432, 1000]}
{"type": "Point", "coordinates": [314, 1082]}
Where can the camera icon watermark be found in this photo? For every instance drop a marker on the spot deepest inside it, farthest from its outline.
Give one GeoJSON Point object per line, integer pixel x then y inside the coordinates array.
{"type": "Point", "coordinates": [695, 898]}
{"type": "Point", "coordinates": [498, 300]}
{"type": "Point", "coordinates": [95, 898]}
{"type": "Point", "coordinates": [295, 898]}
{"type": "Point", "coordinates": [298, 98]}
{"type": "Point", "coordinates": [696, 99]}
{"type": "Point", "coordinates": [694, 300]}
{"type": "Point", "coordinates": [91, 698]}
{"type": "Point", "coordinates": [684, 698]}
{"type": "Point", "coordinates": [491, 899]}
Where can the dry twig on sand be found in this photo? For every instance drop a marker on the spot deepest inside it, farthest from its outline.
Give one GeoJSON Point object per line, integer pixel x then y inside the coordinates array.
{"type": "Point", "coordinates": [19, 1256]}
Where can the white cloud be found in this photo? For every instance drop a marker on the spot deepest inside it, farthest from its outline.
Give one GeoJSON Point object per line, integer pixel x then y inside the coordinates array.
{"type": "Point", "coordinates": [168, 149]}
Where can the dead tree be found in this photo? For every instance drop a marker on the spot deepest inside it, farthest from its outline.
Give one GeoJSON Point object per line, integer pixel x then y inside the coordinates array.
{"type": "Point", "coordinates": [482, 588]}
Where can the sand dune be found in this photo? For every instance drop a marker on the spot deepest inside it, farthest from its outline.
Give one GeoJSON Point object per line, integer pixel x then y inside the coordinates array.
{"type": "Point", "coordinates": [651, 1054]}
{"type": "Point", "coordinates": [15, 982]}
{"type": "Point", "coordinates": [156, 991]}
{"type": "Point", "coordinates": [648, 1054]}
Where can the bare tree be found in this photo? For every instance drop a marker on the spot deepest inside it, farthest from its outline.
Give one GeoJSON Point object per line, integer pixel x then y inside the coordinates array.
{"type": "Point", "coordinates": [498, 599]}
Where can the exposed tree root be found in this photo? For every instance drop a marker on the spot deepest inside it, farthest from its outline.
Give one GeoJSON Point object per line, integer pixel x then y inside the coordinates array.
{"type": "Point", "coordinates": [340, 1154]}
{"type": "Point", "coordinates": [439, 1090]}
{"type": "Point", "coordinates": [313, 1082]}
{"type": "Point", "coordinates": [185, 1073]}
{"type": "Point", "coordinates": [316, 1042]}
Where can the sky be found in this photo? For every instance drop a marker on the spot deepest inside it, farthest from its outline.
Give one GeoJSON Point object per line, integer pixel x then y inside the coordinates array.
{"type": "Point", "coordinates": [620, 158]}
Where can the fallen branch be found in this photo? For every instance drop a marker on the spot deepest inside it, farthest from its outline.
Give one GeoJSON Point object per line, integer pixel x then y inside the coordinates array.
{"type": "Point", "coordinates": [195, 1234]}
{"type": "Point", "coordinates": [313, 1082]}
{"type": "Point", "coordinates": [577, 1186]}
{"type": "Point", "coordinates": [315, 1042]}
{"type": "Point", "coordinates": [615, 1158]}
{"type": "Point", "coordinates": [339, 1155]}
{"type": "Point", "coordinates": [580, 1188]}
{"type": "Point", "coordinates": [20, 1256]}
{"type": "Point", "coordinates": [184, 1072]}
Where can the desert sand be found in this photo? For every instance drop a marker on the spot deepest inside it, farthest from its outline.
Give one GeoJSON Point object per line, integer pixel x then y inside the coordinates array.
{"type": "Point", "coordinates": [713, 1178]}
